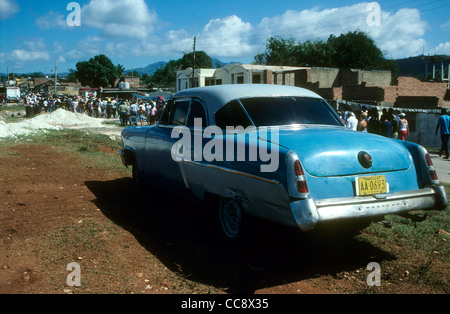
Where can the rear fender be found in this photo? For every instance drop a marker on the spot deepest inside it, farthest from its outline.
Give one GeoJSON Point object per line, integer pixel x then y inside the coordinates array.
{"type": "Point", "coordinates": [424, 168]}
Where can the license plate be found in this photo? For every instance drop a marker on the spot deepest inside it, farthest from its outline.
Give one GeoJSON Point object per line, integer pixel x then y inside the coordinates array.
{"type": "Point", "coordinates": [371, 185]}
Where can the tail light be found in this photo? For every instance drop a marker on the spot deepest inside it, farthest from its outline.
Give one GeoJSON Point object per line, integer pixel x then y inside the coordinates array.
{"type": "Point", "coordinates": [431, 170]}
{"type": "Point", "coordinates": [302, 186]}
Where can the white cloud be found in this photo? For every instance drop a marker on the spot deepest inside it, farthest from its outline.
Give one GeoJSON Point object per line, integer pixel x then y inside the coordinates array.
{"type": "Point", "coordinates": [226, 37]}
{"type": "Point", "coordinates": [51, 20]}
{"type": "Point", "coordinates": [21, 55]}
{"type": "Point", "coordinates": [8, 8]}
{"type": "Point", "coordinates": [441, 49]}
{"type": "Point", "coordinates": [33, 51]}
{"type": "Point", "coordinates": [399, 34]}
{"type": "Point", "coordinates": [85, 49]}
{"type": "Point", "coordinates": [446, 26]}
{"type": "Point", "coordinates": [125, 18]}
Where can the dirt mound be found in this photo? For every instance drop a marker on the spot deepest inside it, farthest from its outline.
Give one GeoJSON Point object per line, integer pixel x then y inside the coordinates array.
{"type": "Point", "coordinates": [56, 120]}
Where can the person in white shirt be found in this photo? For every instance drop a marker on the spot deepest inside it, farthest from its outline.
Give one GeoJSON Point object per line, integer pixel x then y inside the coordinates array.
{"type": "Point", "coordinates": [352, 122]}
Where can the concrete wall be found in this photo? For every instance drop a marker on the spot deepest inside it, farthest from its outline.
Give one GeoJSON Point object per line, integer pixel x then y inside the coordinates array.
{"type": "Point", "coordinates": [378, 78]}
{"type": "Point", "coordinates": [358, 77]}
{"type": "Point", "coordinates": [327, 77]}
{"type": "Point", "coordinates": [424, 129]}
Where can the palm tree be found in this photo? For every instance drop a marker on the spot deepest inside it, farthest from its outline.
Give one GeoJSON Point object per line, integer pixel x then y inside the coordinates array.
{"type": "Point", "coordinates": [120, 70]}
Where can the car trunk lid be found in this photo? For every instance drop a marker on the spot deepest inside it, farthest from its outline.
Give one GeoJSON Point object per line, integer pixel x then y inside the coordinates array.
{"type": "Point", "coordinates": [333, 151]}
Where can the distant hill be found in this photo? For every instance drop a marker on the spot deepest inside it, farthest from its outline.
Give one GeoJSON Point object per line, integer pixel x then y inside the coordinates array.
{"type": "Point", "coordinates": [151, 68]}
{"type": "Point", "coordinates": [415, 66]}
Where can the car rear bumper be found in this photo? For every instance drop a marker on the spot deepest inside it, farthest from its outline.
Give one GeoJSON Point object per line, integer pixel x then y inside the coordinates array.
{"type": "Point", "coordinates": [308, 213]}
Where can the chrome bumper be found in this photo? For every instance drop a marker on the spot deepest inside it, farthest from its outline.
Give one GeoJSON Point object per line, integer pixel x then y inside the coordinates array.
{"type": "Point", "coordinates": [308, 213]}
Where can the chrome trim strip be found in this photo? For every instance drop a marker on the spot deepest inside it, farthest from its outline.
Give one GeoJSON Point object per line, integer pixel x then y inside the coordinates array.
{"type": "Point", "coordinates": [183, 174]}
{"type": "Point", "coordinates": [248, 175]}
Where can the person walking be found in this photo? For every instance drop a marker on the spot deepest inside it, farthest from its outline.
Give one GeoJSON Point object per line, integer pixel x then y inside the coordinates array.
{"type": "Point", "coordinates": [123, 112]}
{"type": "Point", "coordinates": [403, 127]}
{"type": "Point", "coordinates": [444, 125]}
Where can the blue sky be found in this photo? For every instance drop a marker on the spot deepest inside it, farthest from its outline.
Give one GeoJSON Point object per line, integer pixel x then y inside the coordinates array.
{"type": "Point", "coordinates": [35, 34]}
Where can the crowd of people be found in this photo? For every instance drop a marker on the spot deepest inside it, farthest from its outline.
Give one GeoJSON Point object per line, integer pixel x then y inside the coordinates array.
{"type": "Point", "coordinates": [392, 124]}
{"type": "Point", "coordinates": [130, 112]}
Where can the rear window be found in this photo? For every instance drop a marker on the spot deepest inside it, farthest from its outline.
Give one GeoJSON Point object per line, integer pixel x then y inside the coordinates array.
{"type": "Point", "coordinates": [267, 111]}
{"type": "Point", "coordinates": [232, 115]}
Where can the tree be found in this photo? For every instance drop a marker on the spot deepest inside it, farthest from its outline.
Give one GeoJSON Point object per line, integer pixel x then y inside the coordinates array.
{"type": "Point", "coordinates": [165, 76]}
{"type": "Point", "coordinates": [355, 50]}
{"type": "Point", "coordinates": [97, 72]}
{"type": "Point", "coordinates": [120, 70]}
{"type": "Point", "coordinates": [279, 51]}
{"type": "Point", "coordinates": [202, 60]}
{"type": "Point", "coordinates": [351, 50]}
{"type": "Point", "coordinates": [72, 76]}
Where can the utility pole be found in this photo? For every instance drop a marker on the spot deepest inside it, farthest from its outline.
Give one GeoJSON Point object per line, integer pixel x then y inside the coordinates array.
{"type": "Point", "coordinates": [56, 76]}
{"type": "Point", "coordinates": [193, 68]}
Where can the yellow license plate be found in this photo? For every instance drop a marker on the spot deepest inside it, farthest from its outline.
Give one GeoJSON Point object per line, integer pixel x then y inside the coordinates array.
{"type": "Point", "coordinates": [371, 185]}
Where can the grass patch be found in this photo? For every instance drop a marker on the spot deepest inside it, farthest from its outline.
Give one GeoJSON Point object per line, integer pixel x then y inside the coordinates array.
{"type": "Point", "coordinates": [422, 247]}
{"type": "Point", "coordinates": [94, 150]}
{"type": "Point", "coordinates": [12, 108]}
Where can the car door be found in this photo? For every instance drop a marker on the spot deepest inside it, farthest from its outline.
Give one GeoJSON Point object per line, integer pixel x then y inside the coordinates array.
{"type": "Point", "coordinates": [189, 167]}
{"type": "Point", "coordinates": [161, 167]}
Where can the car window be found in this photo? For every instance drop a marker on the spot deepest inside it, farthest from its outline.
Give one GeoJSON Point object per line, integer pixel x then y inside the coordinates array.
{"type": "Point", "coordinates": [232, 115]}
{"type": "Point", "coordinates": [267, 111]}
{"type": "Point", "coordinates": [179, 112]}
{"type": "Point", "coordinates": [166, 113]}
{"type": "Point", "coordinates": [197, 111]}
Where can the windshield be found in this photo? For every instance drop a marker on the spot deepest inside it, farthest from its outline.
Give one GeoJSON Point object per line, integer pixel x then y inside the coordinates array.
{"type": "Point", "coordinates": [267, 111]}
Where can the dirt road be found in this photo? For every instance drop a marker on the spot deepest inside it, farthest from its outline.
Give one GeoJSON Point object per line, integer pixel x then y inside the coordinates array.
{"type": "Point", "coordinates": [56, 208]}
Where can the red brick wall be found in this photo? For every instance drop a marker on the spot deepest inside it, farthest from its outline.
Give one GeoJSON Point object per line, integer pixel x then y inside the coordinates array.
{"type": "Point", "coordinates": [409, 86]}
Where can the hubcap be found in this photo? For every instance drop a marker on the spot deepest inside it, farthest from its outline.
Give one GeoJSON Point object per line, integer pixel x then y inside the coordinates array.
{"type": "Point", "coordinates": [230, 218]}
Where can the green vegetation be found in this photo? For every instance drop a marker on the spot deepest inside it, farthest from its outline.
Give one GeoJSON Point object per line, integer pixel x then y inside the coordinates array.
{"type": "Point", "coordinates": [351, 50]}
{"type": "Point", "coordinates": [97, 72]}
{"type": "Point", "coordinates": [166, 76]}
{"type": "Point", "coordinates": [422, 248]}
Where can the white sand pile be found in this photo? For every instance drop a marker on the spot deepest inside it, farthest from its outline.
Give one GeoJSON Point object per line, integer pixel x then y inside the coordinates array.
{"type": "Point", "coordinates": [57, 120]}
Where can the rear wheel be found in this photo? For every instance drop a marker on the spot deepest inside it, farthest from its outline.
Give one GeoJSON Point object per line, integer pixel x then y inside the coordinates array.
{"type": "Point", "coordinates": [231, 221]}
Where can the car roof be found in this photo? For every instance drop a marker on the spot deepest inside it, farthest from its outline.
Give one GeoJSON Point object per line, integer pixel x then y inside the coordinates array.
{"type": "Point", "coordinates": [217, 96]}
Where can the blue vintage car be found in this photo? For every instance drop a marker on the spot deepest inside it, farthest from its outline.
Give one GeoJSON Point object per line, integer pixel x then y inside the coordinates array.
{"type": "Point", "coordinates": [279, 153]}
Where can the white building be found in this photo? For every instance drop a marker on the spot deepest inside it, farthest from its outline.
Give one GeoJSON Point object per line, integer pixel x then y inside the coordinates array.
{"type": "Point", "coordinates": [236, 73]}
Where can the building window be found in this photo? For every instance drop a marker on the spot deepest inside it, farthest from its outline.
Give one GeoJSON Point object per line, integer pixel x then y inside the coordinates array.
{"type": "Point", "coordinates": [256, 79]}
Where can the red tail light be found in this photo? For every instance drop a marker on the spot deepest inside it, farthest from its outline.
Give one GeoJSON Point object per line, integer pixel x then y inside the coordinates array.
{"type": "Point", "coordinates": [431, 171]}
{"type": "Point", "coordinates": [429, 161]}
{"type": "Point", "coordinates": [298, 168]}
{"type": "Point", "coordinates": [302, 186]}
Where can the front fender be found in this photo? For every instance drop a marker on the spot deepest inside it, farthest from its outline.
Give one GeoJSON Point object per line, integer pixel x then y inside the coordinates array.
{"type": "Point", "coordinates": [127, 156]}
